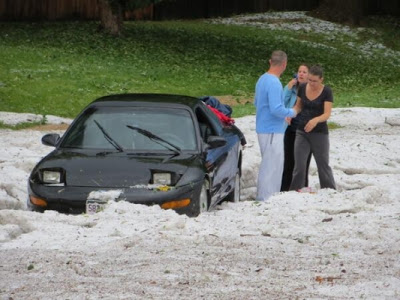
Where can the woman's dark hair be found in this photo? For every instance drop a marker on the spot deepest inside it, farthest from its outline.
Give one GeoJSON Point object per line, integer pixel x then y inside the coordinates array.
{"type": "Point", "coordinates": [305, 65]}
{"type": "Point", "coordinates": [316, 70]}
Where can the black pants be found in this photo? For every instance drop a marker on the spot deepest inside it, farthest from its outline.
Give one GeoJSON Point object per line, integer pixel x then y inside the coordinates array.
{"type": "Point", "coordinates": [289, 139]}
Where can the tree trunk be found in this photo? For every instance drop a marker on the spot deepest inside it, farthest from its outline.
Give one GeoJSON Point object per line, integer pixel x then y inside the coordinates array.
{"type": "Point", "coordinates": [110, 17]}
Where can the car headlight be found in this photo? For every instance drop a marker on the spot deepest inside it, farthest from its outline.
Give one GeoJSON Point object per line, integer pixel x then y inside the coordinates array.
{"type": "Point", "coordinates": [51, 176]}
{"type": "Point", "coordinates": [162, 178]}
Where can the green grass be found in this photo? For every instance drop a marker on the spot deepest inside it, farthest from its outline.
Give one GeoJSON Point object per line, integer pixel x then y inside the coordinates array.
{"type": "Point", "coordinates": [58, 68]}
{"type": "Point", "coordinates": [22, 125]}
{"type": "Point", "coordinates": [333, 126]}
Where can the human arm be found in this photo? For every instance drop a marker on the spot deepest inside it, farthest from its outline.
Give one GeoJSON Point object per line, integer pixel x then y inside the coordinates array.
{"type": "Point", "coordinates": [289, 95]}
{"type": "Point", "coordinates": [297, 108]}
{"type": "Point", "coordinates": [277, 106]}
{"type": "Point", "coordinates": [286, 96]}
{"type": "Point", "coordinates": [292, 83]}
{"type": "Point", "coordinates": [321, 118]}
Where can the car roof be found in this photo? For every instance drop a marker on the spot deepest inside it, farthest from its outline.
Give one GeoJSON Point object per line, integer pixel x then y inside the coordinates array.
{"type": "Point", "coordinates": [146, 99]}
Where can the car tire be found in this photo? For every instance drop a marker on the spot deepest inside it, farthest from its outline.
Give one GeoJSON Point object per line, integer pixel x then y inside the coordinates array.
{"type": "Point", "coordinates": [234, 196]}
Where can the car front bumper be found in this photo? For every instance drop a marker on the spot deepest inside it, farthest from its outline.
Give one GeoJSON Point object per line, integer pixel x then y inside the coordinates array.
{"type": "Point", "coordinates": [73, 199]}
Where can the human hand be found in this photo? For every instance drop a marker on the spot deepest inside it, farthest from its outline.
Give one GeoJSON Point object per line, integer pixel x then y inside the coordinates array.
{"type": "Point", "coordinates": [296, 111]}
{"type": "Point", "coordinates": [310, 125]}
{"type": "Point", "coordinates": [288, 120]}
{"type": "Point", "coordinates": [291, 83]}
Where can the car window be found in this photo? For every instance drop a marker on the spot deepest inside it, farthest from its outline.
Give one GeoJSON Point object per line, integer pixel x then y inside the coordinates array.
{"type": "Point", "coordinates": [133, 128]}
{"type": "Point", "coordinates": [209, 123]}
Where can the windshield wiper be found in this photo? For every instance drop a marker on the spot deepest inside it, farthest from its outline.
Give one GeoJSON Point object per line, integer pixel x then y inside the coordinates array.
{"type": "Point", "coordinates": [109, 138]}
{"type": "Point", "coordinates": [156, 138]}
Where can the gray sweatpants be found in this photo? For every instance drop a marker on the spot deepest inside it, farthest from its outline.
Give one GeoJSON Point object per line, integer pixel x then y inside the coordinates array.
{"type": "Point", "coordinates": [271, 167]}
{"type": "Point", "coordinates": [318, 144]}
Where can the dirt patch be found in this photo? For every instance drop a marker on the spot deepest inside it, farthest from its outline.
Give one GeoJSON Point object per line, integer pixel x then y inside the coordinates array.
{"type": "Point", "coordinates": [234, 100]}
{"type": "Point", "coordinates": [343, 14]}
{"type": "Point", "coordinates": [49, 127]}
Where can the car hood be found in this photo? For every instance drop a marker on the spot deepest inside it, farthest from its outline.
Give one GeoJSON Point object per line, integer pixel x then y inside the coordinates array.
{"type": "Point", "coordinates": [121, 170]}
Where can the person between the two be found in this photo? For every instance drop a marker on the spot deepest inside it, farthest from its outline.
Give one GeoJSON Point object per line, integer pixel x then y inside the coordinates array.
{"type": "Point", "coordinates": [270, 126]}
{"type": "Point", "coordinates": [290, 96]}
{"type": "Point", "coordinates": [314, 101]}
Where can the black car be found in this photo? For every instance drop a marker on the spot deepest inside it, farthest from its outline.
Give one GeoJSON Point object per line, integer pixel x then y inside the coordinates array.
{"type": "Point", "coordinates": [160, 149]}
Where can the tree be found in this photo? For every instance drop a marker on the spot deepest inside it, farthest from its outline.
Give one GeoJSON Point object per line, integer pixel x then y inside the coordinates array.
{"type": "Point", "coordinates": [112, 13]}
{"type": "Point", "coordinates": [343, 11]}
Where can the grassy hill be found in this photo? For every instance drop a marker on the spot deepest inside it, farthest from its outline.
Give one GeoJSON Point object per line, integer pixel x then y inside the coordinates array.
{"type": "Point", "coordinates": [58, 68]}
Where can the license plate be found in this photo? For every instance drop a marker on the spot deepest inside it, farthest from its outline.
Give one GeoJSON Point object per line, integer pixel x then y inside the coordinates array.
{"type": "Point", "coordinates": [95, 206]}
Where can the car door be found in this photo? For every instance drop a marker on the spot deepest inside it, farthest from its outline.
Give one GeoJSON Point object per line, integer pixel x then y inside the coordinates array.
{"type": "Point", "coordinates": [221, 162]}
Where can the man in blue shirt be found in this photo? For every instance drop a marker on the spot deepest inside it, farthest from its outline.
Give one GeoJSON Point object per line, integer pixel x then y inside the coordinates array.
{"type": "Point", "coordinates": [270, 126]}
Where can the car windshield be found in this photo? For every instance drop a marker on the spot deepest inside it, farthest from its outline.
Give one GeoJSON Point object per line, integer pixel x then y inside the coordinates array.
{"type": "Point", "coordinates": [133, 129]}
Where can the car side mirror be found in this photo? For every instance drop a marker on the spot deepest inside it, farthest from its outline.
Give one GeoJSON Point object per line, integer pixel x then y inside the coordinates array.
{"type": "Point", "coordinates": [214, 141]}
{"type": "Point", "coordinates": [50, 139]}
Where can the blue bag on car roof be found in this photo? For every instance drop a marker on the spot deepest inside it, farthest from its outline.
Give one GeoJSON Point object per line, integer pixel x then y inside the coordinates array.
{"type": "Point", "coordinates": [214, 102]}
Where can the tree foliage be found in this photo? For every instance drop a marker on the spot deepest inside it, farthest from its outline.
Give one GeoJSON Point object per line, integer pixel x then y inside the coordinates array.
{"type": "Point", "coordinates": [343, 11]}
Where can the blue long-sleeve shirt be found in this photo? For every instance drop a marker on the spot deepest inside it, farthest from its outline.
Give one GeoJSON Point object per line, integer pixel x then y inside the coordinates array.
{"type": "Point", "coordinates": [270, 109]}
